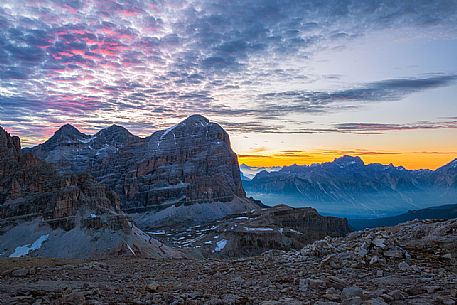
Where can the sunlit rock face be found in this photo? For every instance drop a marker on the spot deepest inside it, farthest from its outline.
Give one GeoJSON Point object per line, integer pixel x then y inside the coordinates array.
{"type": "Point", "coordinates": [30, 187]}
{"type": "Point", "coordinates": [191, 162]}
{"type": "Point", "coordinates": [74, 152]}
{"type": "Point", "coordinates": [45, 213]}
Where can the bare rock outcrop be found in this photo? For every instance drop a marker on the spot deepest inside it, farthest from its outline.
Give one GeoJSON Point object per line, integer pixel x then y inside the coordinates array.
{"type": "Point", "coordinates": [191, 162]}
{"type": "Point", "coordinates": [46, 214]}
{"type": "Point", "coordinates": [254, 232]}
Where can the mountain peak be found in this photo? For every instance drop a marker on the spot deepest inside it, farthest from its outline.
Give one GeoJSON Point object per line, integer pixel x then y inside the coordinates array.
{"type": "Point", "coordinates": [196, 119]}
{"type": "Point", "coordinates": [68, 131]}
{"type": "Point", "coordinates": [113, 129]}
{"type": "Point", "coordinates": [114, 135]}
{"type": "Point", "coordinates": [66, 134]}
{"type": "Point", "coordinates": [245, 166]}
{"type": "Point", "coordinates": [67, 128]}
{"type": "Point", "coordinates": [348, 160]}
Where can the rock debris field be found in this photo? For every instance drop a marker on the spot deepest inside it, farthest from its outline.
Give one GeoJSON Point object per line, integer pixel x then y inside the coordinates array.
{"type": "Point", "coordinates": [413, 263]}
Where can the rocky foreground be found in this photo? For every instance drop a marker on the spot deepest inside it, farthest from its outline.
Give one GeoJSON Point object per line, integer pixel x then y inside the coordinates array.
{"type": "Point", "coordinates": [414, 263]}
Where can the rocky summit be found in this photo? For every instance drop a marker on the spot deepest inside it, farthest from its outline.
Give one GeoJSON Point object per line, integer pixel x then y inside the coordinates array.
{"type": "Point", "coordinates": [189, 163]}
{"type": "Point", "coordinates": [414, 263]}
{"type": "Point", "coordinates": [72, 151]}
{"type": "Point", "coordinates": [46, 214]}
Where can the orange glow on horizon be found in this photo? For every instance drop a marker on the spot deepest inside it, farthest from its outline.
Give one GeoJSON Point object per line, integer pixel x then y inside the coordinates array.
{"type": "Point", "coordinates": [414, 160]}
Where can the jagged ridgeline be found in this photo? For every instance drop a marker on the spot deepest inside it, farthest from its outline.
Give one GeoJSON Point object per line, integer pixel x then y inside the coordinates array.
{"type": "Point", "coordinates": [191, 162]}
{"type": "Point", "coordinates": [349, 187]}
{"type": "Point", "coordinates": [73, 215]}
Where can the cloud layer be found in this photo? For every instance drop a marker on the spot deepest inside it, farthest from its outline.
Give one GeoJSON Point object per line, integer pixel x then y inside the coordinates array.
{"type": "Point", "coordinates": [146, 63]}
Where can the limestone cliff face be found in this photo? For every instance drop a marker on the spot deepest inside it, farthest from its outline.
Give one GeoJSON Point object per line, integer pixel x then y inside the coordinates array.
{"type": "Point", "coordinates": [187, 163]}
{"type": "Point", "coordinates": [191, 162]}
{"type": "Point", "coordinates": [281, 228]}
{"type": "Point", "coordinates": [73, 215]}
{"type": "Point", "coordinates": [9, 146]}
{"type": "Point", "coordinates": [30, 187]}
{"type": "Point", "coordinates": [304, 220]}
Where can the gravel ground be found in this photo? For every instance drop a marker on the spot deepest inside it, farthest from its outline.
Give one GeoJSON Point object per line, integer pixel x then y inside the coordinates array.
{"type": "Point", "coordinates": [382, 266]}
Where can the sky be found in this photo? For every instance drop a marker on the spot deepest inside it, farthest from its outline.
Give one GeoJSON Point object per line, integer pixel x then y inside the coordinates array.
{"type": "Point", "coordinates": [292, 81]}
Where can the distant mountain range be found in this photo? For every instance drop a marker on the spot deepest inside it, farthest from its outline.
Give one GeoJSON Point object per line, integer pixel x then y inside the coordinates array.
{"type": "Point", "coordinates": [348, 187]}
{"type": "Point", "coordinates": [249, 172]}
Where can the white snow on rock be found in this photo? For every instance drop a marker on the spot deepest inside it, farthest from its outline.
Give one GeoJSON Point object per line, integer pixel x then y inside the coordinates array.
{"type": "Point", "coordinates": [88, 140]}
{"type": "Point", "coordinates": [295, 231]}
{"type": "Point", "coordinates": [92, 215]}
{"type": "Point", "coordinates": [220, 245]}
{"type": "Point", "coordinates": [160, 232]}
{"type": "Point", "coordinates": [167, 131]}
{"type": "Point", "coordinates": [25, 250]}
{"type": "Point", "coordinates": [258, 229]}
{"type": "Point", "coordinates": [131, 250]}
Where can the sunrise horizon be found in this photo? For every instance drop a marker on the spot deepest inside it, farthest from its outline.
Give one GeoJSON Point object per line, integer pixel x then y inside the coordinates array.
{"type": "Point", "coordinates": [261, 157]}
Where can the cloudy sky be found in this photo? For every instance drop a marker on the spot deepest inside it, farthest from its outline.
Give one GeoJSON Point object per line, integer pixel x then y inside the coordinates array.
{"type": "Point", "coordinates": [293, 81]}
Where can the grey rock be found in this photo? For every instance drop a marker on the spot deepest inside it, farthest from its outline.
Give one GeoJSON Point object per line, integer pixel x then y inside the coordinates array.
{"type": "Point", "coordinates": [153, 287]}
{"type": "Point", "coordinates": [303, 285]}
{"type": "Point", "coordinates": [377, 301]}
{"type": "Point", "coordinates": [317, 284]}
{"type": "Point", "coordinates": [374, 260]}
{"type": "Point", "coordinates": [403, 266]}
{"type": "Point", "coordinates": [379, 242]}
{"type": "Point", "coordinates": [350, 292]}
{"type": "Point", "coordinates": [352, 301]}
{"type": "Point", "coordinates": [22, 272]}
{"type": "Point", "coordinates": [333, 281]}
{"type": "Point", "coordinates": [398, 295]}
{"type": "Point", "coordinates": [393, 253]}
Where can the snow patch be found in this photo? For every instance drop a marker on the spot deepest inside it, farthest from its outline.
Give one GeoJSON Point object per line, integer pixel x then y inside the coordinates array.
{"type": "Point", "coordinates": [258, 229]}
{"type": "Point", "coordinates": [25, 250]}
{"type": "Point", "coordinates": [167, 131]}
{"type": "Point", "coordinates": [220, 245]}
{"type": "Point", "coordinates": [131, 250]}
{"type": "Point", "coordinates": [92, 215]}
{"type": "Point", "coordinates": [295, 231]}
{"type": "Point", "coordinates": [88, 140]}
{"type": "Point", "coordinates": [160, 232]}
